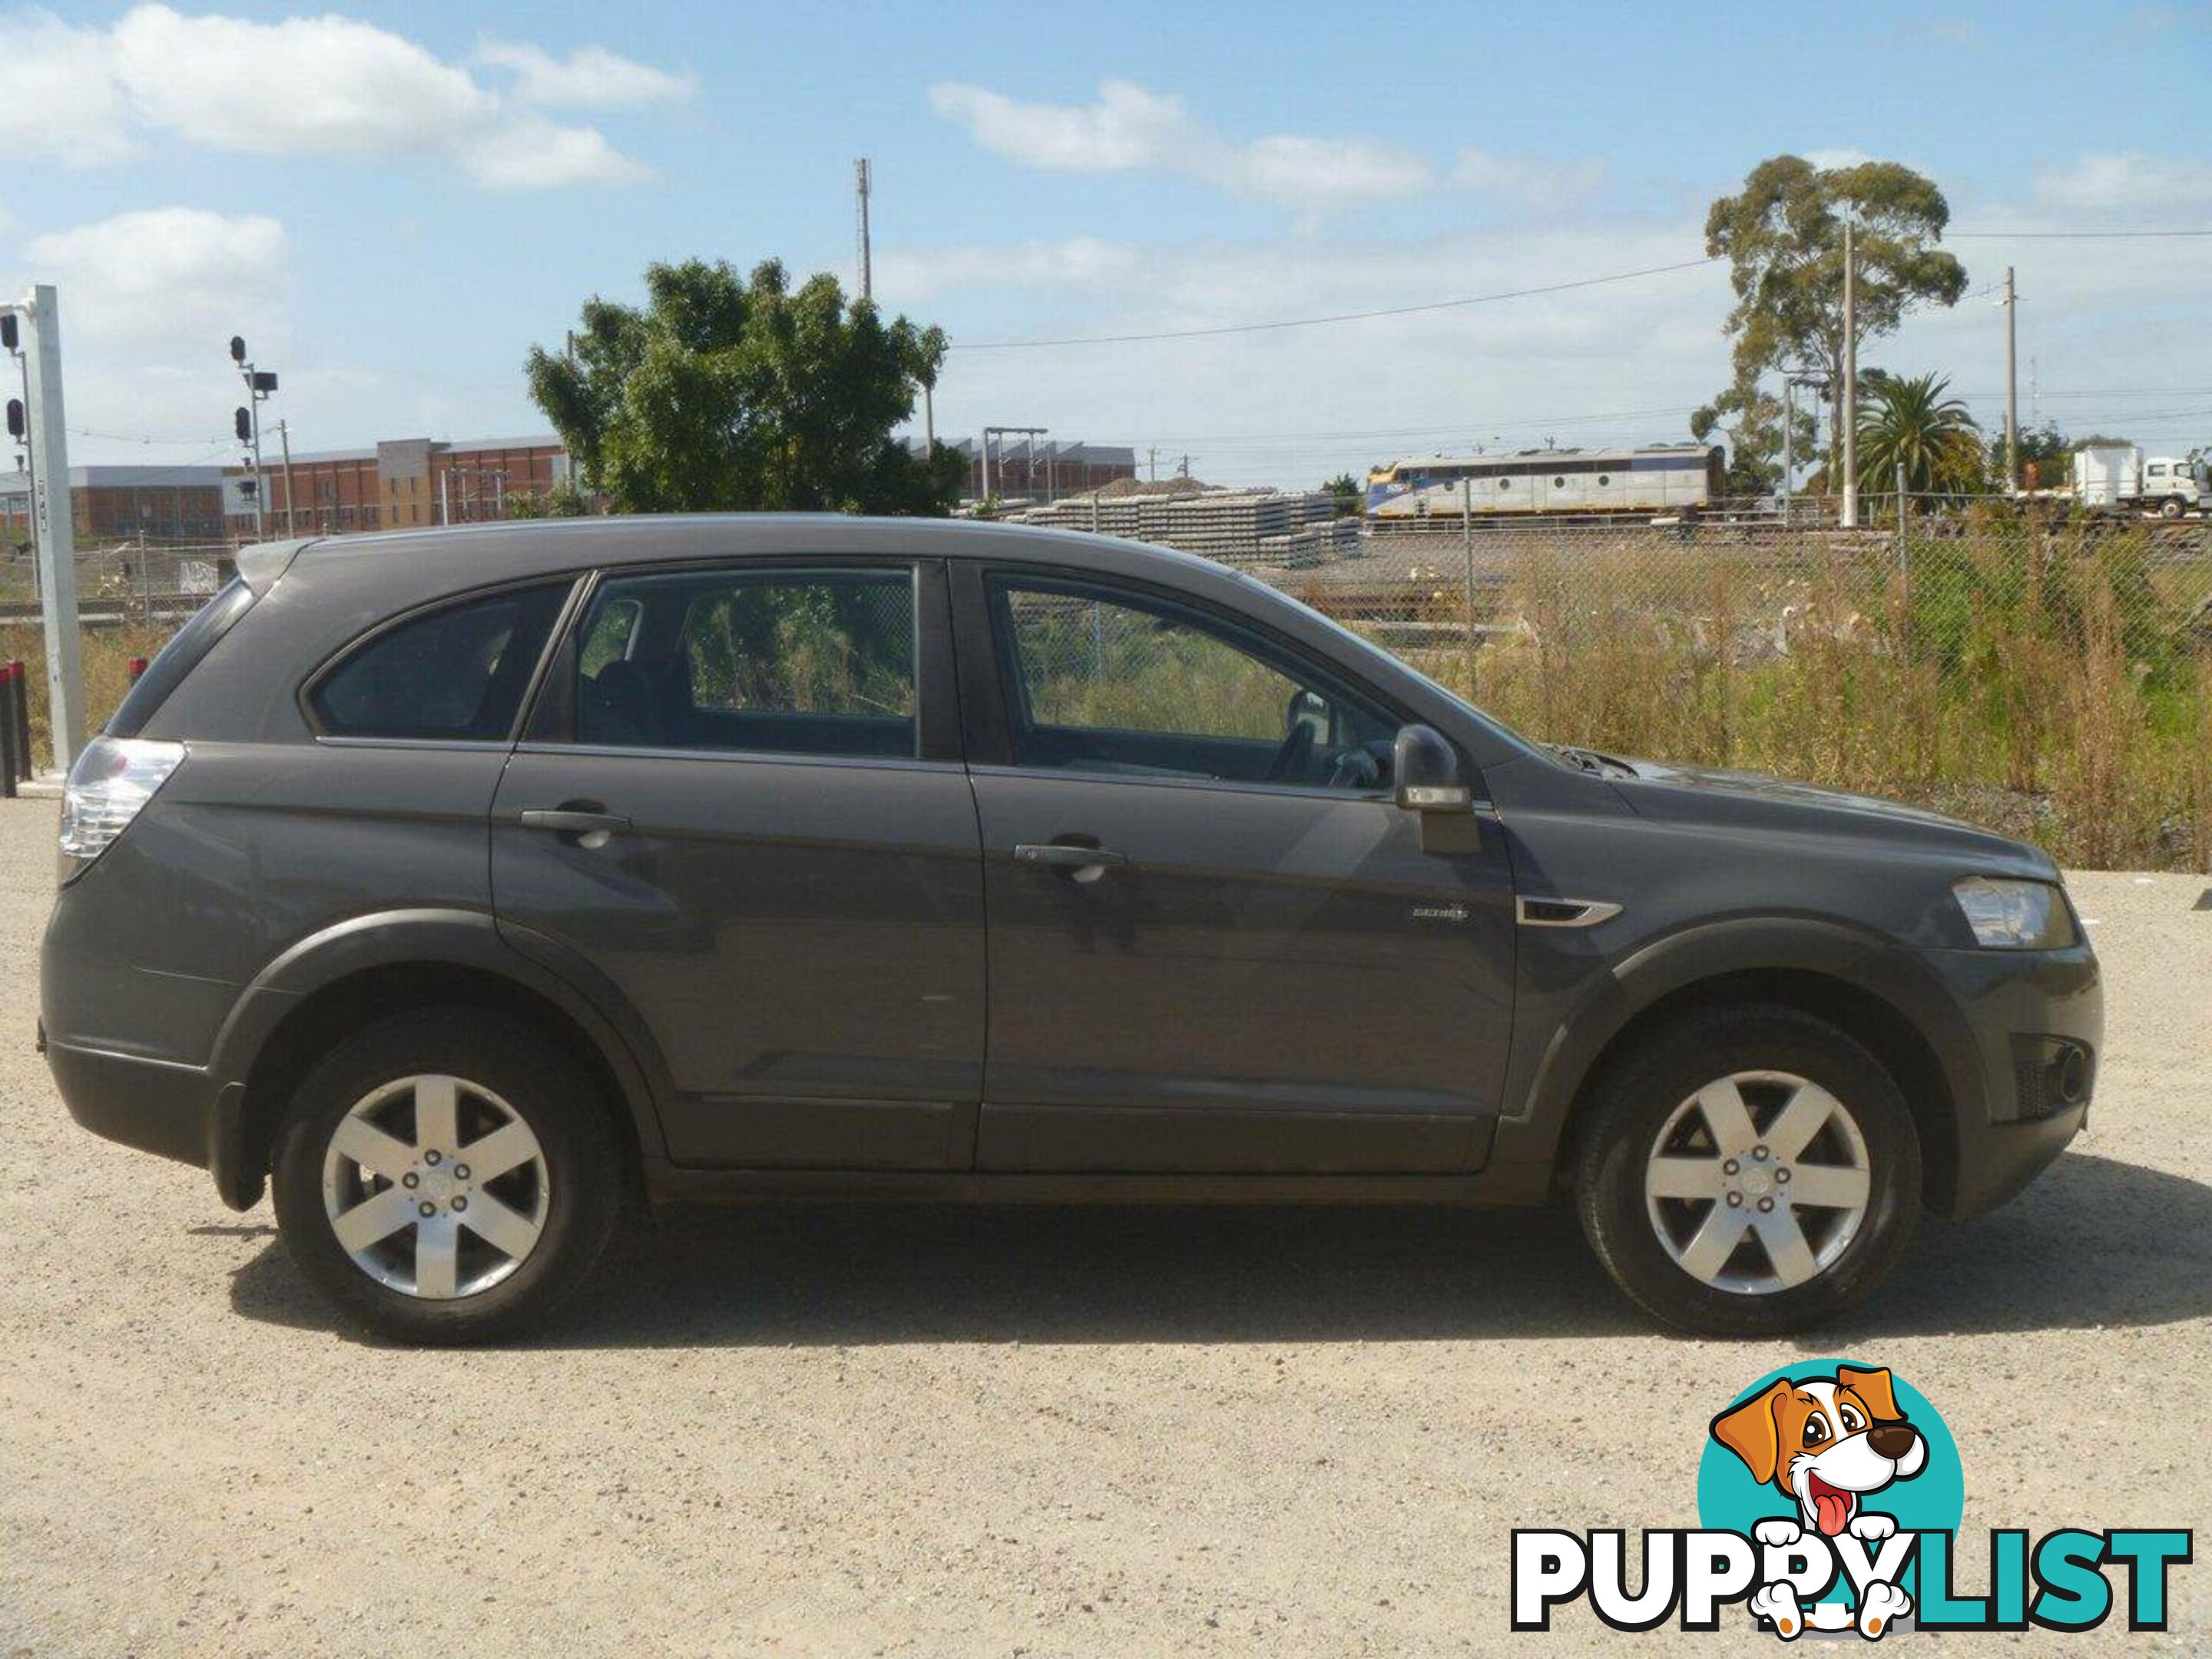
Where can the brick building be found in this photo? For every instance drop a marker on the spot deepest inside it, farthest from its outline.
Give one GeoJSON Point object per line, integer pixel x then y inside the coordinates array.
{"type": "Point", "coordinates": [127, 503]}
{"type": "Point", "coordinates": [406, 481]}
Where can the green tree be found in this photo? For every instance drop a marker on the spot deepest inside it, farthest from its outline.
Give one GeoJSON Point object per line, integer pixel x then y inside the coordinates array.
{"type": "Point", "coordinates": [1351, 494]}
{"type": "Point", "coordinates": [1783, 236]}
{"type": "Point", "coordinates": [742, 393]}
{"type": "Point", "coordinates": [1912, 422]}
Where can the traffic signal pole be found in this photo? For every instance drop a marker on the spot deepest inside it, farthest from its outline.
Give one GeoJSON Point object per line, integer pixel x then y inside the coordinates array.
{"type": "Point", "coordinates": [54, 518]}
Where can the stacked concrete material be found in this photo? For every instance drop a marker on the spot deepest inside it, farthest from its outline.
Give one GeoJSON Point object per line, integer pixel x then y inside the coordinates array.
{"type": "Point", "coordinates": [1240, 527]}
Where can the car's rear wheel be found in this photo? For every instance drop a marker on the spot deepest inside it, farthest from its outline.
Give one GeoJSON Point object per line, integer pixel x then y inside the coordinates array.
{"type": "Point", "coordinates": [1750, 1171]}
{"type": "Point", "coordinates": [447, 1176]}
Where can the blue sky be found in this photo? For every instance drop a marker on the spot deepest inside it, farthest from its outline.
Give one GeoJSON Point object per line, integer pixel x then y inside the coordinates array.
{"type": "Point", "coordinates": [394, 201]}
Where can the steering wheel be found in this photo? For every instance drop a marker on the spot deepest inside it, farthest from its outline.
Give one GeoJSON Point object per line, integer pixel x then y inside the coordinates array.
{"type": "Point", "coordinates": [1291, 757]}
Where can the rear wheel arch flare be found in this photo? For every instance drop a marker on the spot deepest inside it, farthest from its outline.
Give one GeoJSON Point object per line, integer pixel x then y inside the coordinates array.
{"type": "Point", "coordinates": [335, 1010]}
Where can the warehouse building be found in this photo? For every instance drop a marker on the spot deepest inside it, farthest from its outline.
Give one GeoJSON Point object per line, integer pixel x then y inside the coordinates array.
{"type": "Point", "coordinates": [127, 503]}
{"type": "Point", "coordinates": [407, 481]}
{"type": "Point", "coordinates": [1040, 471]}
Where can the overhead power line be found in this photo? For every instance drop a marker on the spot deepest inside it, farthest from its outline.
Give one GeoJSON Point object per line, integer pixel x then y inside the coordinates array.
{"type": "Point", "coordinates": [1339, 316]}
{"type": "Point", "coordinates": [2066, 235]}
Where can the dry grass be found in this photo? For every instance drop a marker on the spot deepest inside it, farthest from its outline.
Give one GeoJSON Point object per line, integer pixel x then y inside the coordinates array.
{"type": "Point", "coordinates": [107, 655]}
{"type": "Point", "coordinates": [2056, 686]}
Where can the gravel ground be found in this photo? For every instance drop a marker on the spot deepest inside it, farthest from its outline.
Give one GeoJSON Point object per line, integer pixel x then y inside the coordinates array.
{"type": "Point", "coordinates": [1006, 1432]}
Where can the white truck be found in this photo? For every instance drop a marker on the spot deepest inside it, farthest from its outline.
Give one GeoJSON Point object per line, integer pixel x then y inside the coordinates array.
{"type": "Point", "coordinates": [2120, 478]}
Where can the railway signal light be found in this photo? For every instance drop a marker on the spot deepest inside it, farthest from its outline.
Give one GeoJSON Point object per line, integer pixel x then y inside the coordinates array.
{"type": "Point", "coordinates": [242, 423]}
{"type": "Point", "coordinates": [16, 418]}
{"type": "Point", "coordinates": [264, 381]}
{"type": "Point", "coordinates": [8, 330]}
{"type": "Point", "coordinates": [238, 347]}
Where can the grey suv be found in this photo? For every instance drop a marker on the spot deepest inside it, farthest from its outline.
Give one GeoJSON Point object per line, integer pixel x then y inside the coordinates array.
{"type": "Point", "coordinates": [472, 885]}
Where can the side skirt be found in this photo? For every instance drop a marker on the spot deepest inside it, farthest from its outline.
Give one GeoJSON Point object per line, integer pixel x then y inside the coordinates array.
{"type": "Point", "coordinates": [669, 1183]}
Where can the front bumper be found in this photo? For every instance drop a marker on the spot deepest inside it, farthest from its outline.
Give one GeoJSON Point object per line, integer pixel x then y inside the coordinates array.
{"type": "Point", "coordinates": [2024, 1011]}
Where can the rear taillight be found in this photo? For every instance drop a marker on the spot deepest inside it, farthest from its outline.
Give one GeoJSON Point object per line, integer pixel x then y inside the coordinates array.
{"type": "Point", "coordinates": [111, 779]}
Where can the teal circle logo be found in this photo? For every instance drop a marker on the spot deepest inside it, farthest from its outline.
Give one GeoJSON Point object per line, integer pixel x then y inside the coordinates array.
{"type": "Point", "coordinates": [1825, 1443]}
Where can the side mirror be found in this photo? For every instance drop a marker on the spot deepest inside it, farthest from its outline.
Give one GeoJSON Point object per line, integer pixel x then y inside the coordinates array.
{"type": "Point", "coordinates": [1425, 772]}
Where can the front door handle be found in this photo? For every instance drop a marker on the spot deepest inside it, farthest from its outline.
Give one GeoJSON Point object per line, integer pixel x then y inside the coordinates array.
{"type": "Point", "coordinates": [1061, 856]}
{"type": "Point", "coordinates": [591, 829]}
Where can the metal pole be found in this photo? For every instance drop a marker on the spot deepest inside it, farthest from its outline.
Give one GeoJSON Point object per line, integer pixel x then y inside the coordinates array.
{"type": "Point", "coordinates": [260, 483]}
{"type": "Point", "coordinates": [1789, 463]}
{"type": "Point", "coordinates": [1849, 419]}
{"type": "Point", "coordinates": [1466, 564]}
{"type": "Point", "coordinates": [50, 485]}
{"type": "Point", "coordinates": [444, 494]}
{"type": "Point", "coordinates": [984, 450]}
{"type": "Point", "coordinates": [2012, 385]}
{"type": "Point", "coordinates": [860, 181]}
{"type": "Point", "coordinates": [284, 437]}
{"type": "Point", "coordinates": [928, 419]}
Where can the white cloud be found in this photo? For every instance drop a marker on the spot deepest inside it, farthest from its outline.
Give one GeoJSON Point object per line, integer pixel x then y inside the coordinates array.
{"type": "Point", "coordinates": [1834, 157]}
{"type": "Point", "coordinates": [1521, 178]}
{"type": "Point", "coordinates": [341, 86]}
{"type": "Point", "coordinates": [162, 275]}
{"type": "Point", "coordinates": [537, 154]}
{"type": "Point", "coordinates": [1129, 129]}
{"type": "Point", "coordinates": [2126, 183]}
{"type": "Point", "coordinates": [58, 100]}
{"type": "Point", "coordinates": [589, 77]}
{"type": "Point", "coordinates": [1125, 129]}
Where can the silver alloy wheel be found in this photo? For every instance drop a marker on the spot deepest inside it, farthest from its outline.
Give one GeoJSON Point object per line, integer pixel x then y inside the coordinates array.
{"type": "Point", "coordinates": [1758, 1183]}
{"type": "Point", "coordinates": [435, 1187]}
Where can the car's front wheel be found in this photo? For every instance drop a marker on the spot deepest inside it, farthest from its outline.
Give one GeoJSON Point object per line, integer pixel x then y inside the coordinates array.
{"type": "Point", "coordinates": [447, 1176]}
{"type": "Point", "coordinates": [1750, 1171]}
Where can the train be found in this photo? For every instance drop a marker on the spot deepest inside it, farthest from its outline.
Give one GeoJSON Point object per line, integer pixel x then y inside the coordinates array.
{"type": "Point", "coordinates": [1658, 480]}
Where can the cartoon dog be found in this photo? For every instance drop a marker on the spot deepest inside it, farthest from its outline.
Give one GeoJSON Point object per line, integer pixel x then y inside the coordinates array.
{"type": "Point", "coordinates": [1825, 1443]}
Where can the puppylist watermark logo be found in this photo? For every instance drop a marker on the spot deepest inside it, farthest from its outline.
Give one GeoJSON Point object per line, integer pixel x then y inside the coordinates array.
{"type": "Point", "coordinates": [1829, 1499]}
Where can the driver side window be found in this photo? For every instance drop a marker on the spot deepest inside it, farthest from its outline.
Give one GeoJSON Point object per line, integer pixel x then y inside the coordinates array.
{"type": "Point", "coordinates": [1099, 681]}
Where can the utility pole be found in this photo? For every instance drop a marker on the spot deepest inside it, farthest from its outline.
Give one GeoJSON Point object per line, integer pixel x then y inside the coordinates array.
{"type": "Point", "coordinates": [1789, 436]}
{"type": "Point", "coordinates": [983, 449]}
{"type": "Point", "coordinates": [53, 518]}
{"type": "Point", "coordinates": [861, 188]}
{"type": "Point", "coordinates": [2012, 384]}
{"type": "Point", "coordinates": [1850, 420]}
{"type": "Point", "coordinates": [1152, 465]}
{"type": "Point", "coordinates": [284, 437]}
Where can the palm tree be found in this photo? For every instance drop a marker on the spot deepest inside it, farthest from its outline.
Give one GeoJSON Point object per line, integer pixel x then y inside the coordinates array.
{"type": "Point", "coordinates": [1912, 420]}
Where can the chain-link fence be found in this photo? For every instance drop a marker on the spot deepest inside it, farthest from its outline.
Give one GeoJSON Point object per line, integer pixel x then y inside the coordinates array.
{"type": "Point", "coordinates": [2045, 674]}
{"type": "Point", "coordinates": [124, 582]}
{"type": "Point", "coordinates": [2050, 676]}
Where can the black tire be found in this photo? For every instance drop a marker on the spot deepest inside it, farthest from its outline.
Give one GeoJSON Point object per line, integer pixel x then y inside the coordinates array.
{"type": "Point", "coordinates": [563, 1108]}
{"type": "Point", "coordinates": [2172, 508]}
{"type": "Point", "coordinates": [1635, 1101]}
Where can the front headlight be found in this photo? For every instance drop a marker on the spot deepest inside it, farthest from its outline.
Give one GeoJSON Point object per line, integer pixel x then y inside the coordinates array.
{"type": "Point", "coordinates": [2015, 915]}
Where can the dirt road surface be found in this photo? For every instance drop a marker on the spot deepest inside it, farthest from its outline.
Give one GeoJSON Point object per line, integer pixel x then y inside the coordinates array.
{"type": "Point", "coordinates": [916, 1432]}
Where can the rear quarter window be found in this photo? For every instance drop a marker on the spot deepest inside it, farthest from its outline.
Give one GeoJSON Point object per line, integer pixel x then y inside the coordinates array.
{"type": "Point", "coordinates": [455, 674]}
{"type": "Point", "coordinates": [183, 654]}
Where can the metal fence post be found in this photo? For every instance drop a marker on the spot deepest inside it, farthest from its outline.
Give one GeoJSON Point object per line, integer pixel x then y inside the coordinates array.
{"type": "Point", "coordinates": [1466, 564]}
{"type": "Point", "coordinates": [11, 692]}
{"type": "Point", "coordinates": [21, 676]}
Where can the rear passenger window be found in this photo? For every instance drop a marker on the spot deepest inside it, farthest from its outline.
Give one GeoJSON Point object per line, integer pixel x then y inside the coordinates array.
{"type": "Point", "coordinates": [814, 662]}
{"type": "Point", "coordinates": [456, 674]}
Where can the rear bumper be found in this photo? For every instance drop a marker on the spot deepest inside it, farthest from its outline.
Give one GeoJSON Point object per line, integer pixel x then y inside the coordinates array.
{"type": "Point", "coordinates": [154, 1105]}
{"type": "Point", "coordinates": [158, 1106]}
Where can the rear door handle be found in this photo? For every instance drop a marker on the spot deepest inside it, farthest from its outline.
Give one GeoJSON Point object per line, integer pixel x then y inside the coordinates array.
{"type": "Point", "coordinates": [567, 821]}
{"type": "Point", "coordinates": [1061, 857]}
